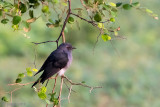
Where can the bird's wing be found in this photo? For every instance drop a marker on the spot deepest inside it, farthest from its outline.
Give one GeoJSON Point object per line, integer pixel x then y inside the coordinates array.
{"type": "Point", "coordinates": [59, 59]}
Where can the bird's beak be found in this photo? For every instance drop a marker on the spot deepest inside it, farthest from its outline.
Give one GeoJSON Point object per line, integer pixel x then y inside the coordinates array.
{"type": "Point", "coordinates": [73, 48]}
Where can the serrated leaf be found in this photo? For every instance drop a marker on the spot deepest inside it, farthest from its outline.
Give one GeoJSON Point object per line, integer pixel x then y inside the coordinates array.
{"type": "Point", "coordinates": [31, 13]}
{"type": "Point", "coordinates": [16, 20]}
{"type": "Point", "coordinates": [28, 69]}
{"type": "Point", "coordinates": [45, 9]}
{"type": "Point", "coordinates": [5, 99]}
{"type": "Point", "coordinates": [4, 21]}
{"type": "Point", "coordinates": [43, 89]}
{"type": "Point", "coordinates": [30, 73]}
{"type": "Point", "coordinates": [55, 101]}
{"type": "Point", "coordinates": [34, 69]}
{"type": "Point", "coordinates": [112, 19]}
{"type": "Point", "coordinates": [149, 11]}
{"type": "Point", "coordinates": [15, 27]}
{"type": "Point", "coordinates": [118, 4]}
{"type": "Point", "coordinates": [42, 95]}
{"type": "Point", "coordinates": [52, 96]}
{"type": "Point", "coordinates": [70, 20]}
{"type": "Point", "coordinates": [127, 6]}
{"type": "Point", "coordinates": [106, 37]}
{"type": "Point", "coordinates": [21, 75]}
{"type": "Point", "coordinates": [22, 7]}
{"type": "Point", "coordinates": [136, 4]}
{"type": "Point", "coordinates": [83, 82]}
{"type": "Point", "coordinates": [112, 4]}
{"type": "Point", "coordinates": [101, 25]}
{"type": "Point", "coordinates": [18, 80]}
{"type": "Point", "coordinates": [97, 17]}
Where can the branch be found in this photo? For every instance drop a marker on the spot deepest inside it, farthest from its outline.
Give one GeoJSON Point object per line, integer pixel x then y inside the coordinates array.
{"type": "Point", "coordinates": [21, 84]}
{"type": "Point", "coordinates": [65, 22]}
{"type": "Point", "coordinates": [81, 84]}
{"type": "Point", "coordinates": [83, 4]}
{"type": "Point", "coordinates": [91, 22]}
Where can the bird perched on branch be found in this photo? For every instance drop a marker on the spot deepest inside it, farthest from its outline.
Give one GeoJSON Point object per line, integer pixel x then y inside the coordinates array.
{"type": "Point", "coordinates": [57, 62]}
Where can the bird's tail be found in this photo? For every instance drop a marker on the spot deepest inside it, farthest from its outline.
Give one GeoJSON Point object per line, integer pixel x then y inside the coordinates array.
{"type": "Point", "coordinates": [38, 81]}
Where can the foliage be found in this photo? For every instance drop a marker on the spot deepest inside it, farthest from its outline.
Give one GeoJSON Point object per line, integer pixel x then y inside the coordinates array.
{"type": "Point", "coordinates": [100, 13]}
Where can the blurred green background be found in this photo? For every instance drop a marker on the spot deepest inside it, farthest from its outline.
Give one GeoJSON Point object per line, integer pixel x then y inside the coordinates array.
{"type": "Point", "coordinates": [128, 70]}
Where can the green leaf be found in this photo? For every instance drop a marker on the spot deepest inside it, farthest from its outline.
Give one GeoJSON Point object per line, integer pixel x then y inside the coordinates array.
{"type": "Point", "coordinates": [1, 12]}
{"type": "Point", "coordinates": [31, 13]}
{"type": "Point", "coordinates": [107, 7]}
{"type": "Point", "coordinates": [45, 9]}
{"type": "Point", "coordinates": [18, 80]}
{"type": "Point", "coordinates": [4, 21]}
{"type": "Point", "coordinates": [21, 75]}
{"type": "Point", "coordinates": [52, 96]}
{"type": "Point", "coordinates": [101, 25]}
{"type": "Point", "coordinates": [30, 73]}
{"type": "Point", "coordinates": [136, 4]}
{"type": "Point", "coordinates": [23, 7]}
{"type": "Point", "coordinates": [112, 19]}
{"type": "Point", "coordinates": [112, 4]}
{"type": "Point", "coordinates": [97, 17]}
{"type": "Point", "coordinates": [106, 37]}
{"type": "Point", "coordinates": [42, 95]}
{"type": "Point", "coordinates": [28, 69]}
{"type": "Point", "coordinates": [149, 11]}
{"type": "Point", "coordinates": [70, 20]}
{"type": "Point", "coordinates": [127, 6]}
{"type": "Point", "coordinates": [43, 89]}
{"type": "Point", "coordinates": [113, 14]}
{"type": "Point", "coordinates": [5, 99]}
{"type": "Point", "coordinates": [15, 27]}
{"type": "Point", "coordinates": [83, 82]}
{"type": "Point", "coordinates": [16, 20]}
{"type": "Point", "coordinates": [55, 101]}
{"type": "Point", "coordinates": [118, 4]}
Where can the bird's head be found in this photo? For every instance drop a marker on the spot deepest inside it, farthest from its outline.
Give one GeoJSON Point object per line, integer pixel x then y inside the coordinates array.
{"type": "Point", "coordinates": [66, 46]}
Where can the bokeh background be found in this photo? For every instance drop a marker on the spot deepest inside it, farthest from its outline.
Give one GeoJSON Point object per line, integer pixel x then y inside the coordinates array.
{"type": "Point", "coordinates": [128, 70]}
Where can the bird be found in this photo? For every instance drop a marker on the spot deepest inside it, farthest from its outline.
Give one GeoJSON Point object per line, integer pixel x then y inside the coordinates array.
{"type": "Point", "coordinates": [57, 62]}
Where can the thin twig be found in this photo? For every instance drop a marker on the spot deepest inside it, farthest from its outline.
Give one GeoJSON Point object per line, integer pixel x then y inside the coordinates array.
{"type": "Point", "coordinates": [83, 4]}
{"type": "Point", "coordinates": [55, 83]}
{"type": "Point", "coordinates": [81, 84]}
{"type": "Point", "coordinates": [60, 91]}
{"type": "Point", "coordinates": [101, 32]}
{"type": "Point", "coordinates": [42, 42]}
{"type": "Point", "coordinates": [70, 90]}
{"type": "Point", "coordinates": [65, 22]}
{"type": "Point", "coordinates": [14, 91]}
{"type": "Point", "coordinates": [130, 2]}
{"type": "Point", "coordinates": [21, 84]}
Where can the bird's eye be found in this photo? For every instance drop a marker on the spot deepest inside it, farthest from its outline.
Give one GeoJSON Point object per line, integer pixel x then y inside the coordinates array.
{"type": "Point", "coordinates": [67, 47]}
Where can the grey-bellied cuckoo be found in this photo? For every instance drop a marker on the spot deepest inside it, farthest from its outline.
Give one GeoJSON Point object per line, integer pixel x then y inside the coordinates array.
{"type": "Point", "coordinates": [57, 62]}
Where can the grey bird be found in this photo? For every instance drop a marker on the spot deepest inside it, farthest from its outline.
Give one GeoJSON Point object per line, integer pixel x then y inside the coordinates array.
{"type": "Point", "coordinates": [57, 62]}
